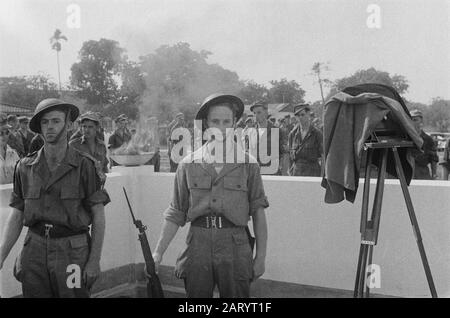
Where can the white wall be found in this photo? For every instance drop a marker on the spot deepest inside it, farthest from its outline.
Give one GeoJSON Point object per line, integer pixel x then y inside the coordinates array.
{"type": "Point", "coordinates": [310, 242]}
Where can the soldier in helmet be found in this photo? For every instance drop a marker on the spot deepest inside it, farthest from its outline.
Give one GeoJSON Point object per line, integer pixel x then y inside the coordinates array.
{"type": "Point", "coordinates": [58, 196]}
{"type": "Point", "coordinates": [218, 198]}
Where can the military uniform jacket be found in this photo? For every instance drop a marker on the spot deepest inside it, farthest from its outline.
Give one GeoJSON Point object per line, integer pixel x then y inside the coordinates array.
{"type": "Point", "coordinates": [308, 149]}
{"type": "Point", "coordinates": [116, 140]}
{"type": "Point", "coordinates": [236, 192]}
{"type": "Point", "coordinates": [429, 154]}
{"type": "Point", "coordinates": [26, 140]}
{"type": "Point", "coordinates": [64, 197]}
{"type": "Point", "coordinates": [99, 153]}
{"type": "Point", "coordinates": [267, 147]}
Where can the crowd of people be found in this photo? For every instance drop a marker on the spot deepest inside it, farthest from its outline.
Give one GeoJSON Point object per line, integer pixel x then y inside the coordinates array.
{"type": "Point", "coordinates": [58, 192]}
{"type": "Point", "coordinates": [86, 135]}
{"type": "Point", "coordinates": [299, 151]}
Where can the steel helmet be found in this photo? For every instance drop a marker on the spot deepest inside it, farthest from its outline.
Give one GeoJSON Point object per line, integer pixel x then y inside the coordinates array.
{"type": "Point", "coordinates": [47, 105]}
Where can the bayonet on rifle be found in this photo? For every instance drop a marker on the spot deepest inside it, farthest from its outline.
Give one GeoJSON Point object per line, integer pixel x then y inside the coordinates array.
{"type": "Point", "coordinates": [154, 288]}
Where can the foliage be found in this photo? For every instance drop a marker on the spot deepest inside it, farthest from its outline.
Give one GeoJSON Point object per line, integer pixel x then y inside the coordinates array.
{"type": "Point", "coordinates": [95, 75]}
{"type": "Point", "coordinates": [178, 78]}
{"type": "Point", "coordinates": [27, 91]}
{"type": "Point", "coordinates": [371, 75]}
{"type": "Point", "coordinates": [438, 115]}
{"type": "Point", "coordinates": [252, 92]}
{"type": "Point", "coordinates": [284, 91]}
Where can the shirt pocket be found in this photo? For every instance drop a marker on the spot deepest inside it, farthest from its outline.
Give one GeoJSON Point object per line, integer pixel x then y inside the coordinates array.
{"type": "Point", "coordinates": [70, 192]}
{"type": "Point", "coordinates": [236, 195]}
{"type": "Point", "coordinates": [199, 191]}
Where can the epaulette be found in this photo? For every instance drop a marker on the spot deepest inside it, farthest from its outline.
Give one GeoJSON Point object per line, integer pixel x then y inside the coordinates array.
{"type": "Point", "coordinates": [28, 158]}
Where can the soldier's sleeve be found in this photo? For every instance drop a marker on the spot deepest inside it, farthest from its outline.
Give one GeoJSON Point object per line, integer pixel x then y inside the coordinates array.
{"type": "Point", "coordinates": [178, 208]}
{"type": "Point", "coordinates": [256, 195]}
{"type": "Point", "coordinates": [16, 200]}
{"type": "Point", "coordinates": [94, 193]}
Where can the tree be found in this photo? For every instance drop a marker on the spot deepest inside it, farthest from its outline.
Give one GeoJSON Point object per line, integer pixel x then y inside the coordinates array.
{"type": "Point", "coordinates": [438, 115]}
{"type": "Point", "coordinates": [55, 41]}
{"type": "Point", "coordinates": [371, 75]}
{"type": "Point", "coordinates": [27, 91]}
{"type": "Point", "coordinates": [96, 75]}
{"type": "Point", "coordinates": [178, 78]}
{"type": "Point", "coordinates": [252, 92]}
{"type": "Point", "coordinates": [318, 68]}
{"type": "Point", "coordinates": [284, 91]}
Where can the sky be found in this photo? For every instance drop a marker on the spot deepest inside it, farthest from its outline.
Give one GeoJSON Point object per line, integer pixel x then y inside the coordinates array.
{"type": "Point", "coordinates": [261, 40]}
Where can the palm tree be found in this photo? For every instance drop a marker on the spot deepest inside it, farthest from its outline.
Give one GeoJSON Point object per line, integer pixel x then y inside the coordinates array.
{"type": "Point", "coordinates": [317, 70]}
{"type": "Point", "coordinates": [55, 41]}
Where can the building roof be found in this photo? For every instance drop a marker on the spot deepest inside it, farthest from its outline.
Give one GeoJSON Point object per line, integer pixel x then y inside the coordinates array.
{"type": "Point", "coordinates": [12, 109]}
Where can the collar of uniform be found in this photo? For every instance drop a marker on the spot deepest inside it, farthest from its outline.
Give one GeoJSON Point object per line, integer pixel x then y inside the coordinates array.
{"type": "Point", "coordinates": [37, 159]}
{"type": "Point", "coordinates": [236, 149]}
{"type": "Point", "coordinates": [71, 158]}
{"type": "Point", "coordinates": [97, 140]}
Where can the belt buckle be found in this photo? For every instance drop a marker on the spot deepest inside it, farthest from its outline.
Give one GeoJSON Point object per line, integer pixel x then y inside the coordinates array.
{"type": "Point", "coordinates": [48, 227]}
{"type": "Point", "coordinates": [213, 222]}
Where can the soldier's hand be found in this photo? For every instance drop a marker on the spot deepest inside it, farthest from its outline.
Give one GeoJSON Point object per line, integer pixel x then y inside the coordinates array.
{"type": "Point", "coordinates": [91, 273]}
{"type": "Point", "coordinates": [259, 267]}
{"type": "Point", "coordinates": [157, 258]}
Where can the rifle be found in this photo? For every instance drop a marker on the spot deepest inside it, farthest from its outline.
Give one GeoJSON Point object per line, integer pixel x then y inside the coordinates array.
{"type": "Point", "coordinates": [154, 288]}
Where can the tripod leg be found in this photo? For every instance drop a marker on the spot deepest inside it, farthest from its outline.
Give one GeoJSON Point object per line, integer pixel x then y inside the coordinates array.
{"type": "Point", "coordinates": [378, 200]}
{"type": "Point", "coordinates": [415, 224]}
{"type": "Point", "coordinates": [365, 271]}
{"type": "Point", "coordinates": [362, 271]}
{"type": "Point", "coordinates": [365, 201]}
{"type": "Point", "coordinates": [359, 271]}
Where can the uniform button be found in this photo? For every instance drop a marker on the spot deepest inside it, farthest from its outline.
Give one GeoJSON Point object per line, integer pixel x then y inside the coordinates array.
{"type": "Point", "coordinates": [195, 184]}
{"type": "Point", "coordinates": [214, 200]}
{"type": "Point", "coordinates": [239, 186]}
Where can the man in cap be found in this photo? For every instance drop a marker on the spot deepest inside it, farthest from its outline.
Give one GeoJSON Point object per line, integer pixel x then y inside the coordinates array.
{"type": "Point", "coordinates": [91, 144]}
{"type": "Point", "coordinates": [121, 135]}
{"type": "Point", "coordinates": [428, 155]}
{"type": "Point", "coordinates": [8, 156]}
{"type": "Point", "coordinates": [217, 197]}
{"type": "Point", "coordinates": [178, 122]}
{"type": "Point", "coordinates": [305, 144]}
{"type": "Point", "coordinates": [15, 140]}
{"type": "Point", "coordinates": [100, 133]}
{"type": "Point", "coordinates": [263, 139]}
{"type": "Point", "coordinates": [57, 195]}
{"type": "Point", "coordinates": [25, 134]}
{"type": "Point", "coordinates": [285, 161]}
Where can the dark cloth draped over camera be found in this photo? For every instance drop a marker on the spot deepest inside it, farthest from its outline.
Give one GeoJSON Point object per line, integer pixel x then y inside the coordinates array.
{"type": "Point", "coordinates": [348, 123]}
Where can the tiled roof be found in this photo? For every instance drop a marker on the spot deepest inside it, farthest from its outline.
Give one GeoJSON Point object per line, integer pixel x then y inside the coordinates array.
{"type": "Point", "coordinates": [15, 109]}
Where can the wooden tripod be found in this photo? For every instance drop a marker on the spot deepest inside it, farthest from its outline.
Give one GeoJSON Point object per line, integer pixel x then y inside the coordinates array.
{"type": "Point", "coordinates": [369, 227]}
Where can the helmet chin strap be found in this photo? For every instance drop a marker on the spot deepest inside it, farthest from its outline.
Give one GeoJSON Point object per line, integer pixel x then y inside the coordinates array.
{"type": "Point", "coordinates": [63, 131]}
